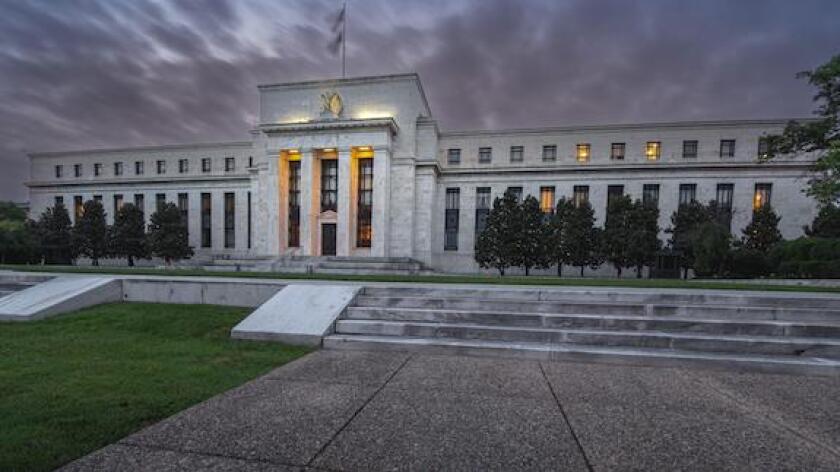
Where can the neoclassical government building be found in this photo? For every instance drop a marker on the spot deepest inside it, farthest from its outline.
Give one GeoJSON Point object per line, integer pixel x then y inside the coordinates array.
{"type": "Point", "coordinates": [358, 167]}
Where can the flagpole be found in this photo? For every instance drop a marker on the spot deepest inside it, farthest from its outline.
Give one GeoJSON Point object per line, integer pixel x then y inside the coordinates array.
{"type": "Point", "coordinates": [344, 44]}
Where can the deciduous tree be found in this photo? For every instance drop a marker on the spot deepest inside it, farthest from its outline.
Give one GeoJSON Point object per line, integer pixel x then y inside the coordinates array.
{"type": "Point", "coordinates": [556, 247]}
{"type": "Point", "coordinates": [615, 241]}
{"type": "Point", "coordinates": [168, 234]}
{"type": "Point", "coordinates": [90, 233]}
{"type": "Point", "coordinates": [127, 237]}
{"type": "Point", "coordinates": [582, 238]}
{"type": "Point", "coordinates": [54, 236]}
{"type": "Point", "coordinates": [763, 231]}
{"type": "Point", "coordinates": [644, 240]}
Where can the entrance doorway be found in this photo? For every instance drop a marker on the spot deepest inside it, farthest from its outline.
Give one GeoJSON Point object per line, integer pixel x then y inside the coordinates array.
{"type": "Point", "coordinates": [328, 239]}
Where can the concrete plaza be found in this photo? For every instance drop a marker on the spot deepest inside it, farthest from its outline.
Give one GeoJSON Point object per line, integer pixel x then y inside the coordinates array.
{"type": "Point", "coordinates": [362, 411]}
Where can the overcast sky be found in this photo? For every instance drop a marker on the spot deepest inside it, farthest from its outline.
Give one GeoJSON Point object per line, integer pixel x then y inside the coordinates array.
{"type": "Point", "coordinates": [85, 74]}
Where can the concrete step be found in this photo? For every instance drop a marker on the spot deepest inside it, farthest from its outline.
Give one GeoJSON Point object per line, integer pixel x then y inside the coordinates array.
{"type": "Point", "coordinates": [618, 295]}
{"type": "Point", "coordinates": [602, 308]}
{"type": "Point", "coordinates": [588, 353]}
{"type": "Point", "coordinates": [604, 322]}
{"type": "Point", "coordinates": [767, 345]}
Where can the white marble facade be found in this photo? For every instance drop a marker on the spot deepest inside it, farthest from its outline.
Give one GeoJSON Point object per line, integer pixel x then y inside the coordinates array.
{"type": "Point", "coordinates": [388, 119]}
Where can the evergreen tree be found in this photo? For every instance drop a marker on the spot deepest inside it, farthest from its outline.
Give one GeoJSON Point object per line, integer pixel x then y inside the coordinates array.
{"type": "Point", "coordinates": [615, 242]}
{"type": "Point", "coordinates": [497, 245]}
{"type": "Point", "coordinates": [556, 248]}
{"type": "Point", "coordinates": [712, 244]}
{"type": "Point", "coordinates": [16, 238]}
{"type": "Point", "coordinates": [90, 234]}
{"type": "Point", "coordinates": [763, 231]}
{"type": "Point", "coordinates": [644, 240]}
{"type": "Point", "coordinates": [127, 237]}
{"type": "Point", "coordinates": [685, 222]}
{"type": "Point", "coordinates": [54, 235]}
{"type": "Point", "coordinates": [530, 226]}
{"type": "Point", "coordinates": [168, 234]}
{"type": "Point", "coordinates": [581, 238]}
{"type": "Point", "coordinates": [826, 224]}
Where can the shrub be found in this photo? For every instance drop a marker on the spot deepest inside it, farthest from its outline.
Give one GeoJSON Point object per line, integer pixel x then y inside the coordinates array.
{"type": "Point", "coordinates": [807, 258]}
{"type": "Point", "coordinates": [749, 263]}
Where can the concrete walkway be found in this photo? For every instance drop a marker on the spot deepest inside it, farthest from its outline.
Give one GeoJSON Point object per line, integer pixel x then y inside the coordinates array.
{"type": "Point", "coordinates": [361, 411]}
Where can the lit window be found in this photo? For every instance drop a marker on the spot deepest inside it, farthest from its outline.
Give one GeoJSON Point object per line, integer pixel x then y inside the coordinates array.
{"type": "Point", "coordinates": [549, 152]}
{"type": "Point", "coordinates": [453, 156]}
{"type": "Point", "coordinates": [727, 148]}
{"type": "Point", "coordinates": [517, 153]}
{"type": "Point", "coordinates": [583, 152]}
{"type": "Point", "coordinates": [617, 151]}
{"type": "Point", "coordinates": [547, 199]}
{"type": "Point", "coordinates": [762, 195]}
{"type": "Point", "coordinates": [485, 155]}
{"type": "Point", "coordinates": [690, 149]}
{"type": "Point", "coordinates": [653, 150]}
{"type": "Point", "coordinates": [364, 212]}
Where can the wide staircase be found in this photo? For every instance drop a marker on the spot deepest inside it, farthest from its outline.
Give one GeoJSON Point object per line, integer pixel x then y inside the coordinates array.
{"type": "Point", "coordinates": [324, 265]}
{"type": "Point", "coordinates": [772, 332]}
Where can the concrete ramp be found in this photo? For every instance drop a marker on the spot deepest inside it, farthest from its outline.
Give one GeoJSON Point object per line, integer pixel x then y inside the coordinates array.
{"type": "Point", "coordinates": [299, 314]}
{"type": "Point", "coordinates": [59, 295]}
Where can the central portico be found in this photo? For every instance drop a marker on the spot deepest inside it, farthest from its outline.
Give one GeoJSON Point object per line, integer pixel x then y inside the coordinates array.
{"type": "Point", "coordinates": [327, 154]}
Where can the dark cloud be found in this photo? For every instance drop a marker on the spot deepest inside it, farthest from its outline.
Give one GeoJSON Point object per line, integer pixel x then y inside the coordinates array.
{"type": "Point", "coordinates": [78, 74]}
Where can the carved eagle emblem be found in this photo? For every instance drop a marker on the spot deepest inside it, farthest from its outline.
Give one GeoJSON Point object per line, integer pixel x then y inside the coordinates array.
{"type": "Point", "coordinates": [331, 104]}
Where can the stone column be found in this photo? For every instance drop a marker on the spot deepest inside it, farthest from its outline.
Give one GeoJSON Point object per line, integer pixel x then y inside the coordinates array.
{"type": "Point", "coordinates": [381, 198]}
{"type": "Point", "coordinates": [308, 210]}
{"type": "Point", "coordinates": [345, 203]}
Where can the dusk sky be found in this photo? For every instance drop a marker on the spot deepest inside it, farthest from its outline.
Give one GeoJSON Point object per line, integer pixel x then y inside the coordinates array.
{"type": "Point", "coordinates": [85, 74]}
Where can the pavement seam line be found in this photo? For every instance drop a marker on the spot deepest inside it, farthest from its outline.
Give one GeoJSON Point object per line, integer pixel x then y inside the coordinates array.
{"type": "Point", "coordinates": [762, 414]}
{"type": "Point", "coordinates": [566, 419]}
{"type": "Point", "coordinates": [358, 410]}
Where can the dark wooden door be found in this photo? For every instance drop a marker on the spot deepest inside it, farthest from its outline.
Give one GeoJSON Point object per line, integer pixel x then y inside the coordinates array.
{"type": "Point", "coordinates": [328, 239]}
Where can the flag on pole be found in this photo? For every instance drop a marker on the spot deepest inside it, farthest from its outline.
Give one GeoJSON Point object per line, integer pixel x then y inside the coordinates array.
{"type": "Point", "coordinates": [338, 30]}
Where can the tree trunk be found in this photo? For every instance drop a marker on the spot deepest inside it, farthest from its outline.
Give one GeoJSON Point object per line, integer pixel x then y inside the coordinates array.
{"type": "Point", "coordinates": [638, 272]}
{"type": "Point", "coordinates": [131, 261]}
{"type": "Point", "coordinates": [581, 271]}
{"type": "Point", "coordinates": [559, 269]}
{"type": "Point", "coordinates": [618, 269]}
{"type": "Point", "coordinates": [685, 273]}
{"type": "Point", "coordinates": [95, 261]}
{"type": "Point", "coordinates": [501, 271]}
{"type": "Point", "coordinates": [527, 271]}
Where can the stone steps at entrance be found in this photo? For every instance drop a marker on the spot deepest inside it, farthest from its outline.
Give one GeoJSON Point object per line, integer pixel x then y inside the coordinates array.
{"type": "Point", "coordinates": [774, 332]}
{"type": "Point", "coordinates": [353, 265]}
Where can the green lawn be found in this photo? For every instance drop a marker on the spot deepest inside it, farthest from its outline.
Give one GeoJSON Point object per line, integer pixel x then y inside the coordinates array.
{"type": "Point", "coordinates": [453, 279]}
{"type": "Point", "coordinates": [72, 384]}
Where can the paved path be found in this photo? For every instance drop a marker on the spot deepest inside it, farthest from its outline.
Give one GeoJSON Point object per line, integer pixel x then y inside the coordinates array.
{"type": "Point", "coordinates": [359, 411]}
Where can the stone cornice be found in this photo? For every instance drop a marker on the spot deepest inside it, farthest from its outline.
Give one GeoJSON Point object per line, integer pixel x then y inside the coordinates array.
{"type": "Point", "coordinates": [630, 168]}
{"type": "Point", "coordinates": [165, 147]}
{"type": "Point", "coordinates": [329, 125]}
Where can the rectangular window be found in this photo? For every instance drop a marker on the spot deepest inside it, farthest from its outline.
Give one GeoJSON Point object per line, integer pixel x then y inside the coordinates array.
{"type": "Point", "coordinates": [183, 166]}
{"type": "Point", "coordinates": [78, 207]}
{"type": "Point", "coordinates": [549, 153]}
{"type": "Point", "coordinates": [97, 169]}
{"type": "Point", "coordinates": [485, 155]}
{"type": "Point", "coordinates": [517, 153]}
{"type": "Point", "coordinates": [617, 151]}
{"type": "Point", "coordinates": [205, 164]}
{"type": "Point", "coordinates": [688, 193]}
{"type": "Point", "coordinates": [249, 212]}
{"type": "Point", "coordinates": [689, 149]}
{"type": "Point", "coordinates": [161, 167]}
{"type": "Point", "coordinates": [650, 195]}
{"type": "Point", "coordinates": [329, 185]}
{"type": "Point", "coordinates": [727, 148]}
{"type": "Point", "coordinates": [98, 199]}
{"type": "Point", "coordinates": [206, 225]}
{"type": "Point", "coordinates": [547, 200]}
{"type": "Point", "coordinates": [453, 197]}
{"type": "Point", "coordinates": [762, 195]}
{"type": "Point", "coordinates": [581, 195]}
{"type": "Point", "coordinates": [140, 202]}
{"type": "Point", "coordinates": [614, 192]}
{"type": "Point", "coordinates": [653, 150]}
{"type": "Point", "coordinates": [250, 161]}
{"type": "Point", "coordinates": [77, 170]}
{"type": "Point", "coordinates": [59, 200]}
{"type": "Point", "coordinates": [118, 203]}
{"type": "Point", "coordinates": [294, 203]}
{"type": "Point", "coordinates": [230, 164]}
{"type": "Point", "coordinates": [364, 213]}
{"type": "Point", "coordinates": [230, 220]}
{"type": "Point", "coordinates": [160, 201]}
{"type": "Point", "coordinates": [582, 152]}
{"type": "Point", "coordinates": [763, 148]}
{"type": "Point", "coordinates": [184, 206]}
{"type": "Point", "coordinates": [723, 197]}
{"type": "Point", "coordinates": [138, 168]}
{"type": "Point", "coordinates": [516, 192]}
{"type": "Point", "coordinates": [453, 156]}
{"type": "Point", "coordinates": [59, 171]}
{"type": "Point", "coordinates": [118, 168]}
{"type": "Point", "coordinates": [482, 209]}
